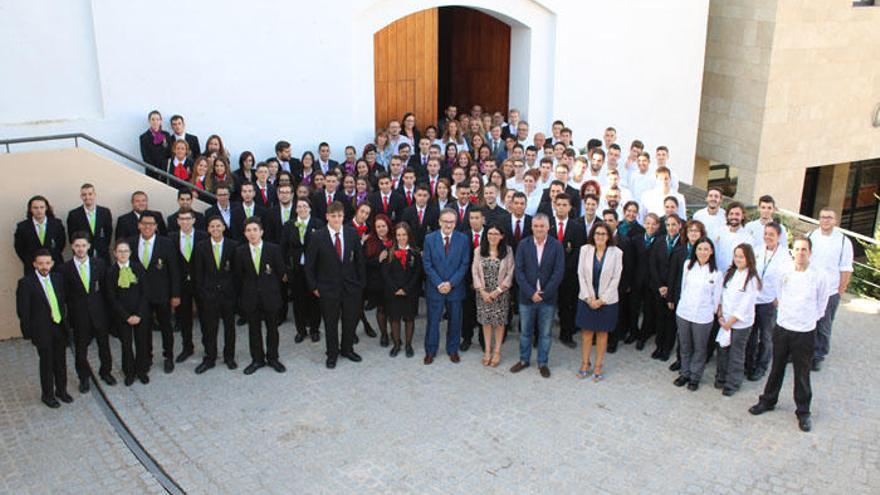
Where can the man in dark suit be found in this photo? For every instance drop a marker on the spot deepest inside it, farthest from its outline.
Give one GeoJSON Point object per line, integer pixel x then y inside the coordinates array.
{"type": "Point", "coordinates": [40, 230]}
{"type": "Point", "coordinates": [259, 269]}
{"type": "Point", "coordinates": [572, 235]}
{"type": "Point", "coordinates": [214, 283]}
{"type": "Point", "coordinates": [422, 217]}
{"type": "Point", "coordinates": [332, 192]}
{"type": "Point", "coordinates": [232, 214]}
{"type": "Point", "coordinates": [278, 215]}
{"type": "Point", "coordinates": [264, 191]}
{"type": "Point", "coordinates": [178, 128]}
{"type": "Point", "coordinates": [433, 175]}
{"type": "Point", "coordinates": [386, 200]}
{"type": "Point", "coordinates": [185, 201]}
{"type": "Point", "coordinates": [295, 239]}
{"type": "Point", "coordinates": [446, 263]}
{"type": "Point", "coordinates": [127, 224]}
{"type": "Point", "coordinates": [477, 235]}
{"type": "Point", "coordinates": [462, 206]}
{"type": "Point", "coordinates": [520, 224]}
{"type": "Point", "coordinates": [336, 275]}
{"type": "Point", "coordinates": [185, 238]}
{"type": "Point", "coordinates": [285, 159]}
{"type": "Point", "coordinates": [643, 296]}
{"type": "Point", "coordinates": [407, 188]}
{"type": "Point", "coordinates": [158, 257]}
{"type": "Point", "coordinates": [96, 220]}
{"type": "Point", "coordinates": [419, 159]}
{"type": "Point", "coordinates": [325, 164]}
{"type": "Point", "coordinates": [540, 267]}
{"type": "Point", "coordinates": [87, 308]}
{"type": "Point", "coordinates": [251, 207]}
{"type": "Point", "coordinates": [495, 214]}
{"type": "Point", "coordinates": [609, 216]}
{"type": "Point", "coordinates": [551, 192]}
{"type": "Point", "coordinates": [41, 312]}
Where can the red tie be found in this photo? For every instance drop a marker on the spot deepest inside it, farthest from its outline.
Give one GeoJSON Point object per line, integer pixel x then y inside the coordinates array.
{"type": "Point", "coordinates": [560, 233]}
{"type": "Point", "coordinates": [329, 199]}
{"type": "Point", "coordinates": [517, 232]}
{"type": "Point", "coordinates": [408, 198]}
{"type": "Point", "coordinates": [338, 247]}
{"type": "Point", "coordinates": [476, 241]}
{"type": "Point", "coordinates": [263, 192]}
{"type": "Point", "coordinates": [432, 187]}
{"type": "Point", "coordinates": [385, 203]}
{"type": "Point", "coordinates": [461, 210]}
{"type": "Point", "coordinates": [421, 216]}
{"type": "Point", "coordinates": [446, 244]}
{"type": "Point", "coordinates": [394, 183]}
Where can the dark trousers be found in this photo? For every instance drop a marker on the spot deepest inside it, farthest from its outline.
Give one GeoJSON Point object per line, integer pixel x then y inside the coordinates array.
{"type": "Point", "coordinates": [210, 316]}
{"type": "Point", "coordinates": [346, 308]}
{"type": "Point", "coordinates": [567, 304]}
{"type": "Point", "coordinates": [82, 337]}
{"type": "Point", "coordinates": [306, 310]}
{"type": "Point", "coordinates": [469, 315]}
{"type": "Point", "coordinates": [162, 312]}
{"type": "Point", "coordinates": [760, 347]}
{"type": "Point", "coordinates": [666, 329]}
{"type": "Point", "coordinates": [643, 302]}
{"type": "Point", "coordinates": [285, 301]}
{"type": "Point", "coordinates": [183, 314]}
{"type": "Point", "coordinates": [800, 347]}
{"type": "Point", "coordinates": [53, 364]}
{"type": "Point", "coordinates": [136, 343]}
{"type": "Point", "coordinates": [255, 320]}
{"type": "Point", "coordinates": [731, 360]}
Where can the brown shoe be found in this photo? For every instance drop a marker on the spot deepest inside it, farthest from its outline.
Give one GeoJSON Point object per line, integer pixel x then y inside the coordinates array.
{"type": "Point", "coordinates": [545, 371]}
{"type": "Point", "coordinates": [519, 366]}
{"type": "Point", "coordinates": [454, 358]}
{"type": "Point", "coordinates": [429, 359]}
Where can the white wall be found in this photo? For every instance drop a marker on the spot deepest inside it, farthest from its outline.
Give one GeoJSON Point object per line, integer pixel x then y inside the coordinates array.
{"type": "Point", "coordinates": [264, 70]}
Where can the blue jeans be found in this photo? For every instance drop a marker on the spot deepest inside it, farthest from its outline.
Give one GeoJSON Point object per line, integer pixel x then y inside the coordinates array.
{"type": "Point", "coordinates": [823, 328]}
{"type": "Point", "coordinates": [453, 327]}
{"type": "Point", "coordinates": [528, 313]}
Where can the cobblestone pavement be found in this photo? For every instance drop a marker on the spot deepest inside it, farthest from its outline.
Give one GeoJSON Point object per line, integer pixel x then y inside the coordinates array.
{"type": "Point", "coordinates": [395, 426]}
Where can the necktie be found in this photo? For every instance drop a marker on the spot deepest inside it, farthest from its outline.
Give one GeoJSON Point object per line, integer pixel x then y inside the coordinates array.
{"type": "Point", "coordinates": [517, 232]}
{"type": "Point", "coordinates": [409, 198]}
{"type": "Point", "coordinates": [421, 216]}
{"type": "Point", "coordinates": [476, 241]}
{"type": "Point", "coordinates": [446, 244]}
{"type": "Point", "coordinates": [216, 249]}
{"type": "Point", "coordinates": [53, 301]}
{"type": "Point", "coordinates": [329, 199]}
{"type": "Point", "coordinates": [84, 276]}
{"type": "Point", "coordinates": [560, 233]}
{"type": "Point", "coordinates": [265, 198]}
{"type": "Point", "coordinates": [145, 257]}
{"type": "Point", "coordinates": [424, 160]}
{"type": "Point", "coordinates": [338, 245]}
{"type": "Point", "coordinates": [126, 278]}
{"type": "Point", "coordinates": [257, 250]}
{"type": "Point", "coordinates": [41, 233]}
{"type": "Point", "coordinates": [385, 203]}
{"type": "Point", "coordinates": [432, 187]}
{"type": "Point", "coordinates": [249, 211]}
{"type": "Point", "coordinates": [461, 211]}
{"type": "Point", "coordinates": [187, 247]}
{"type": "Point", "coordinates": [285, 215]}
{"type": "Point", "coordinates": [301, 227]}
{"type": "Point", "coordinates": [394, 183]}
{"type": "Point", "coordinates": [91, 216]}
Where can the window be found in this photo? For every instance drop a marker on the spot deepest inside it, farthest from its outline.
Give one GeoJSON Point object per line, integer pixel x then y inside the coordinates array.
{"type": "Point", "coordinates": [864, 3]}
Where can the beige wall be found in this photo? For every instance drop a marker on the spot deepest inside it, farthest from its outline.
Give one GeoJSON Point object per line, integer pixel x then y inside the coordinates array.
{"type": "Point", "coordinates": [57, 174]}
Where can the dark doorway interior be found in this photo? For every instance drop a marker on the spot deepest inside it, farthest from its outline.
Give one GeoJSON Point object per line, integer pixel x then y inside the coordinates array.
{"type": "Point", "coordinates": [474, 60]}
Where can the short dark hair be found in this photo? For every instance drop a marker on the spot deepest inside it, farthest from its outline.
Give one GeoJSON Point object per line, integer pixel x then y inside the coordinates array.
{"type": "Point", "coordinates": [254, 220]}
{"type": "Point", "coordinates": [767, 199]}
{"type": "Point", "coordinates": [176, 117]}
{"type": "Point", "coordinates": [80, 234]}
{"type": "Point", "coordinates": [183, 192]}
{"type": "Point", "coordinates": [281, 146]}
{"type": "Point", "coordinates": [336, 207]}
{"type": "Point", "coordinates": [563, 196]}
{"type": "Point", "coordinates": [610, 211]}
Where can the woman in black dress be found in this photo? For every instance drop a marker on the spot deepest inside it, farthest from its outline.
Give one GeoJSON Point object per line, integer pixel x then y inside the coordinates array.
{"type": "Point", "coordinates": [402, 274]}
{"type": "Point", "coordinates": [376, 247]}
{"type": "Point", "coordinates": [127, 297]}
{"type": "Point", "coordinates": [155, 145]}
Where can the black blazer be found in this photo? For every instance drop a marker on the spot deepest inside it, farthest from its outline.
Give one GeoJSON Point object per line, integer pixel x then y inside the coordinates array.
{"type": "Point", "coordinates": [132, 301]}
{"type": "Point", "coordinates": [34, 312]}
{"type": "Point", "coordinates": [642, 273]}
{"type": "Point", "coordinates": [572, 193]}
{"type": "Point", "coordinates": [418, 231]}
{"type": "Point", "coordinates": [575, 237]}
{"type": "Point", "coordinates": [27, 242]}
{"type": "Point", "coordinates": [263, 289]}
{"type": "Point", "coordinates": [330, 276]}
{"type": "Point", "coordinates": [627, 274]}
{"type": "Point", "coordinates": [194, 148]}
{"type": "Point", "coordinates": [396, 205]}
{"type": "Point", "coordinates": [199, 224]}
{"type": "Point", "coordinates": [319, 204]}
{"type": "Point", "coordinates": [185, 268]}
{"type": "Point", "coordinates": [78, 221]}
{"type": "Point", "coordinates": [395, 276]}
{"type": "Point", "coordinates": [292, 248]}
{"type": "Point", "coordinates": [259, 211]}
{"type": "Point", "coordinates": [213, 285]}
{"type": "Point", "coordinates": [526, 228]}
{"type": "Point", "coordinates": [271, 196]}
{"type": "Point", "coordinates": [155, 154]}
{"type": "Point", "coordinates": [127, 225]}
{"type": "Point", "coordinates": [660, 263]}
{"type": "Point", "coordinates": [498, 216]}
{"type": "Point", "coordinates": [86, 310]}
{"type": "Point", "coordinates": [462, 224]}
{"type": "Point", "coordinates": [236, 219]}
{"type": "Point", "coordinates": [162, 276]}
{"type": "Point", "coordinates": [331, 165]}
{"type": "Point", "coordinates": [273, 225]}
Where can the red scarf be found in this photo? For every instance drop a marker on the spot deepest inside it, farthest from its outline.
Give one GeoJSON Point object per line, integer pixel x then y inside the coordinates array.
{"type": "Point", "coordinates": [387, 243]}
{"type": "Point", "coordinates": [362, 229]}
{"type": "Point", "coordinates": [180, 171]}
{"type": "Point", "coordinates": [400, 254]}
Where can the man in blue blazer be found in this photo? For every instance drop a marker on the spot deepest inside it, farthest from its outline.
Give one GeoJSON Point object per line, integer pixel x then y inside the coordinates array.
{"type": "Point", "coordinates": [540, 267]}
{"type": "Point", "coordinates": [446, 259]}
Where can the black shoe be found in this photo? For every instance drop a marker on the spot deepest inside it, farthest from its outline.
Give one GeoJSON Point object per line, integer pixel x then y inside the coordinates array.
{"type": "Point", "coordinates": [51, 402]}
{"type": "Point", "coordinates": [64, 396]}
{"type": "Point", "coordinates": [757, 375]}
{"type": "Point", "coordinates": [356, 340]}
{"type": "Point", "coordinates": [316, 336]}
{"type": "Point", "coordinates": [630, 339]}
{"type": "Point", "coordinates": [383, 341]}
{"type": "Point", "coordinates": [409, 351]}
{"type": "Point", "coordinates": [465, 345]}
{"type": "Point", "coordinates": [129, 380]}
{"type": "Point", "coordinates": [719, 385]}
{"type": "Point", "coordinates": [370, 332]}
{"type": "Point", "coordinates": [612, 348]}
{"type": "Point", "coordinates": [299, 337]}
{"type": "Point", "coordinates": [570, 343]}
{"type": "Point", "coordinates": [277, 366]}
{"type": "Point", "coordinates": [675, 366]}
{"type": "Point", "coordinates": [351, 356]}
{"type": "Point", "coordinates": [664, 356]}
{"type": "Point", "coordinates": [108, 379]}
{"type": "Point", "coordinates": [184, 355]}
{"type": "Point", "coordinates": [681, 381]}
{"type": "Point", "coordinates": [169, 365]}
{"type": "Point", "coordinates": [204, 366]}
{"type": "Point", "coordinates": [640, 345]}
{"type": "Point", "coordinates": [144, 378]}
{"type": "Point", "coordinates": [693, 386]}
{"type": "Point", "coordinates": [395, 350]}
{"type": "Point", "coordinates": [655, 354]}
{"type": "Point", "coordinates": [727, 392]}
{"type": "Point", "coordinates": [805, 423]}
{"type": "Point", "coordinates": [231, 364]}
{"type": "Point", "coordinates": [760, 408]}
{"type": "Point", "coordinates": [84, 386]}
{"type": "Point", "coordinates": [254, 366]}
{"type": "Point", "coordinates": [817, 365]}
{"type": "Point", "coordinates": [331, 363]}
{"type": "Point", "coordinates": [240, 321]}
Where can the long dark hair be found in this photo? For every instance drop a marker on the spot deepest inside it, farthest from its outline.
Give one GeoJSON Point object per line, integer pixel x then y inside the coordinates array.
{"type": "Point", "coordinates": [374, 245]}
{"type": "Point", "coordinates": [750, 266]}
{"type": "Point", "coordinates": [502, 246]}
{"type": "Point", "coordinates": [591, 239]}
{"type": "Point", "coordinates": [711, 262]}
{"type": "Point", "coordinates": [50, 213]}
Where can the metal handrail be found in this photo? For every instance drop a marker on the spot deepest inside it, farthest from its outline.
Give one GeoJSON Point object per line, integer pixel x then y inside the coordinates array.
{"type": "Point", "coordinates": [865, 239]}
{"type": "Point", "coordinates": [101, 144]}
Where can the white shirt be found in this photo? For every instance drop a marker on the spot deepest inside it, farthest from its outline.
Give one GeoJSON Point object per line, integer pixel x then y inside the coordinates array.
{"type": "Point", "coordinates": [141, 242]}
{"type": "Point", "coordinates": [44, 282]}
{"type": "Point", "coordinates": [219, 246]}
{"type": "Point", "coordinates": [738, 299]}
{"type": "Point", "coordinates": [522, 224]}
{"type": "Point", "coordinates": [226, 213]}
{"type": "Point", "coordinates": [533, 201]}
{"type": "Point", "coordinates": [802, 299]}
{"type": "Point", "coordinates": [700, 293]}
{"type": "Point", "coordinates": [756, 228]}
{"type": "Point", "coordinates": [771, 265]}
{"type": "Point", "coordinates": [192, 240]}
{"type": "Point", "coordinates": [254, 251]}
{"type": "Point", "coordinates": [515, 184]}
{"type": "Point", "coordinates": [652, 202]}
{"type": "Point", "coordinates": [84, 262]}
{"type": "Point", "coordinates": [727, 242]}
{"type": "Point", "coordinates": [714, 223]}
{"type": "Point", "coordinates": [640, 183]}
{"type": "Point", "coordinates": [252, 206]}
{"type": "Point", "coordinates": [832, 254]}
{"type": "Point", "coordinates": [333, 237]}
{"type": "Point", "coordinates": [44, 223]}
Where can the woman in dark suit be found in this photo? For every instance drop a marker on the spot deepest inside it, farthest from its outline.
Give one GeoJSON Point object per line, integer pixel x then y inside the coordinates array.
{"type": "Point", "coordinates": [402, 275]}
{"type": "Point", "coordinates": [665, 248]}
{"type": "Point", "coordinates": [127, 297]}
{"type": "Point", "coordinates": [155, 144]}
{"type": "Point", "coordinates": [245, 171]}
{"type": "Point", "coordinates": [180, 163]}
{"type": "Point", "coordinates": [376, 246]}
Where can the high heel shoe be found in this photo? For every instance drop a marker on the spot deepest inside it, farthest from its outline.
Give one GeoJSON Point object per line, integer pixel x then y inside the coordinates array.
{"type": "Point", "coordinates": [496, 359]}
{"type": "Point", "coordinates": [585, 373]}
{"type": "Point", "coordinates": [486, 359]}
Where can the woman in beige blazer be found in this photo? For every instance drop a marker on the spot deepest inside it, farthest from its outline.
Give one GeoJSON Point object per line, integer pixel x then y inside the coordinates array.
{"type": "Point", "coordinates": [599, 268]}
{"type": "Point", "coordinates": [492, 271]}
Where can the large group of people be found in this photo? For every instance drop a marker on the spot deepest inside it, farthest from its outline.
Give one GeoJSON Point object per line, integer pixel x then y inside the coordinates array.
{"type": "Point", "coordinates": [478, 216]}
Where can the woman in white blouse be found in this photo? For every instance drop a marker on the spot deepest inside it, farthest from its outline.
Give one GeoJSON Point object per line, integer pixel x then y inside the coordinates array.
{"type": "Point", "coordinates": [736, 316]}
{"type": "Point", "coordinates": [700, 295]}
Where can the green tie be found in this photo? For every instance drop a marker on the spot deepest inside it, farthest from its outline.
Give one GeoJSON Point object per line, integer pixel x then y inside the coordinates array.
{"type": "Point", "coordinates": [53, 301]}
{"type": "Point", "coordinates": [84, 275]}
{"type": "Point", "coordinates": [285, 215]}
{"type": "Point", "coordinates": [257, 259]}
{"type": "Point", "coordinates": [249, 211]}
{"type": "Point", "coordinates": [126, 277]}
{"type": "Point", "coordinates": [41, 233]}
{"type": "Point", "coordinates": [145, 259]}
{"type": "Point", "coordinates": [187, 247]}
{"type": "Point", "coordinates": [302, 230]}
{"type": "Point", "coordinates": [91, 216]}
{"type": "Point", "coordinates": [216, 248]}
